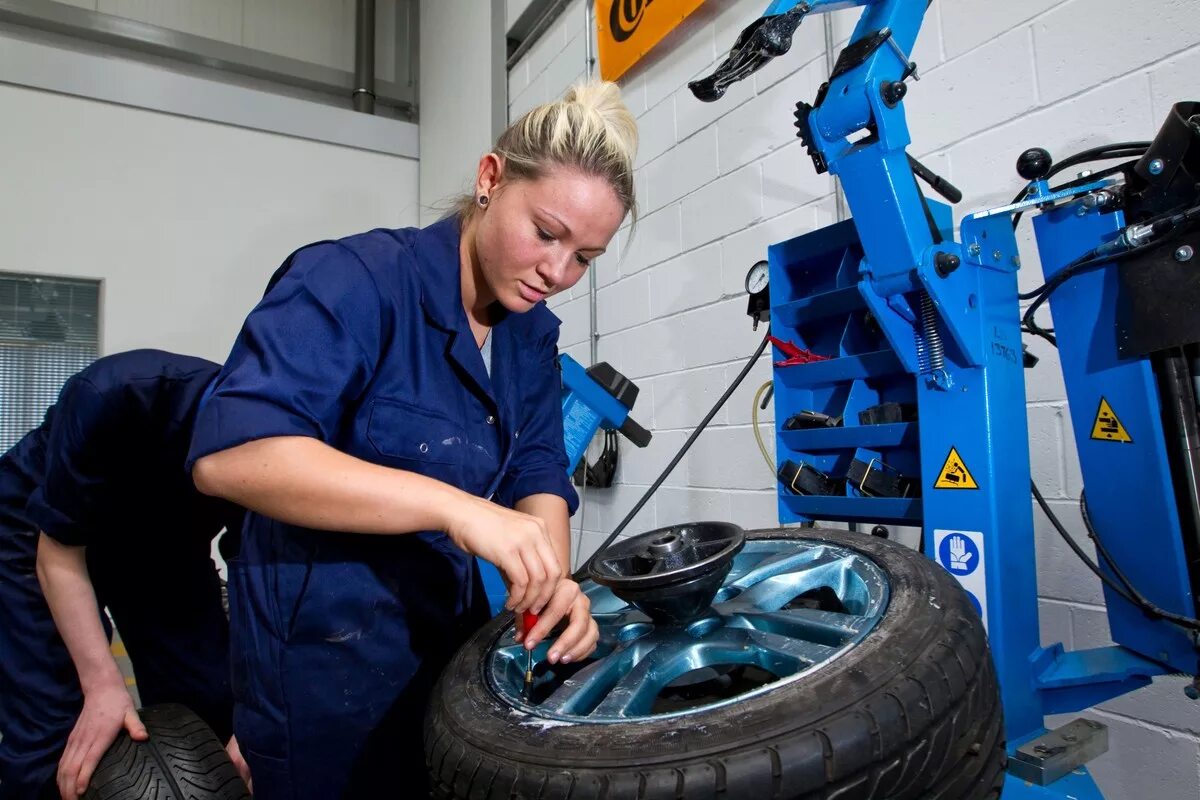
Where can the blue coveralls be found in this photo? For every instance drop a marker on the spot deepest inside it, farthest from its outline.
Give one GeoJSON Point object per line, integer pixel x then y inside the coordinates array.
{"type": "Point", "coordinates": [106, 470]}
{"type": "Point", "coordinates": [337, 638]}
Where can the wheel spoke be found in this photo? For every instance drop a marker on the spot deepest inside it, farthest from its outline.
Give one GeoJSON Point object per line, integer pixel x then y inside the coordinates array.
{"type": "Point", "coordinates": [829, 628]}
{"type": "Point", "coordinates": [634, 693]}
{"type": "Point", "coordinates": [584, 691]}
{"type": "Point", "coordinates": [643, 669]}
{"type": "Point", "coordinates": [774, 589]}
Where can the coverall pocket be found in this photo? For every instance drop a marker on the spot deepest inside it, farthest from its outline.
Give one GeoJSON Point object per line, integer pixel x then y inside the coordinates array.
{"type": "Point", "coordinates": [416, 438]}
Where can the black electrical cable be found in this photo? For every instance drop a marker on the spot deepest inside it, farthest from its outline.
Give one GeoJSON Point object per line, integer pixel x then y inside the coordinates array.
{"type": "Point", "coordinates": [1141, 601]}
{"type": "Point", "coordinates": [1147, 606]}
{"type": "Point", "coordinates": [1070, 540]}
{"type": "Point", "coordinates": [583, 571]}
{"type": "Point", "coordinates": [1095, 258]}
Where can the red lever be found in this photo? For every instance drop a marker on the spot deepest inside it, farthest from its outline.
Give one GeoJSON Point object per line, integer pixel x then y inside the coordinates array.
{"type": "Point", "coordinates": [795, 355]}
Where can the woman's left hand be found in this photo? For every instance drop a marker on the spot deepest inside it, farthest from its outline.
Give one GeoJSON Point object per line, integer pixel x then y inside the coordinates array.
{"type": "Point", "coordinates": [579, 638]}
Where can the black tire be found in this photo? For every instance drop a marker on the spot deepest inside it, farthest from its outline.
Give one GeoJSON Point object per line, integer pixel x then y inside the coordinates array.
{"type": "Point", "coordinates": [182, 760]}
{"type": "Point", "coordinates": [912, 712]}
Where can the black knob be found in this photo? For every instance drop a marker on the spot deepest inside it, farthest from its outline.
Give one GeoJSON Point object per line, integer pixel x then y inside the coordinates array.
{"type": "Point", "coordinates": [893, 92]}
{"type": "Point", "coordinates": [879, 532]}
{"type": "Point", "coordinates": [1034, 164]}
{"type": "Point", "coordinates": [945, 263]}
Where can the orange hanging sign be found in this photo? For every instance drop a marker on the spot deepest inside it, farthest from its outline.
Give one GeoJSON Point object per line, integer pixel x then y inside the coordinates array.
{"type": "Point", "coordinates": [628, 29]}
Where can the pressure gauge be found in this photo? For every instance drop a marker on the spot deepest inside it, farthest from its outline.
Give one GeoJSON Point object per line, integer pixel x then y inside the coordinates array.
{"type": "Point", "coordinates": [757, 278]}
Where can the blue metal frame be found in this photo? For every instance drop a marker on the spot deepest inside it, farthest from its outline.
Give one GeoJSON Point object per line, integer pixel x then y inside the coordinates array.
{"type": "Point", "coordinates": [866, 293]}
{"type": "Point", "coordinates": [1085, 313]}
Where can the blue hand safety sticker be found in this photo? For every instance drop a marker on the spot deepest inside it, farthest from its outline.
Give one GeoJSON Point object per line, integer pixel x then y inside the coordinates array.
{"type": "Point", "coordinates": [962, 554]}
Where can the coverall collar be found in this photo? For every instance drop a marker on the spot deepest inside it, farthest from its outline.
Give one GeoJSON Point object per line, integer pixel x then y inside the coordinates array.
{"type": "Point", "coordinates": [441, 289]}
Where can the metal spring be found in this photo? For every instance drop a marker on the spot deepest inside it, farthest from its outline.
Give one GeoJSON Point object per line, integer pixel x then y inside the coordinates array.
{"type": "Point", "coordinates": [930, 351]}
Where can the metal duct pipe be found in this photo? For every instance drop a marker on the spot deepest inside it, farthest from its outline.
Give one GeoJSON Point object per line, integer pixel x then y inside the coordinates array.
{"type": "Point", "coordinates": [364, 57]}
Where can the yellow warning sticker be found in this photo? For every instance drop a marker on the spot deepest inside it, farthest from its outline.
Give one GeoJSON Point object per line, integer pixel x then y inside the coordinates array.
{"type": "Point", "coordinates": [954, 474]}
{"type": "Point", "coordinates": [1107, 428]}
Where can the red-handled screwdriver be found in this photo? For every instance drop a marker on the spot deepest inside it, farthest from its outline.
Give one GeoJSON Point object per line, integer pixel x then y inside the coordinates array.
{"type": "Point", "coordinates": [528, 620]}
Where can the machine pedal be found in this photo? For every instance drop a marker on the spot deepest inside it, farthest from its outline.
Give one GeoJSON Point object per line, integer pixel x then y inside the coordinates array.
{"type": "Point", "coordinates": [1047, 758]}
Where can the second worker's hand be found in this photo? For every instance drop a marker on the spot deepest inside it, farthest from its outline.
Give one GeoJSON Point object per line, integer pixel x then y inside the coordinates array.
{"type": "Point", "coordinates": [106, 710]}
{"type": "Point", "coordinates": [518, 544]}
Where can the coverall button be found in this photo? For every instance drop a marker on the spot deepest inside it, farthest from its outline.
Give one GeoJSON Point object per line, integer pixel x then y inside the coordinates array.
{"type": "Point", "coordinates": [424, 447]}
{"type": "Point", "coordinates": [491, 420]}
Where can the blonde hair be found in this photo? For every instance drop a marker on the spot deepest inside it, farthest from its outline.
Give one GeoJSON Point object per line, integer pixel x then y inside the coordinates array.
{"type": "Point", "coordinates": [590, 129]}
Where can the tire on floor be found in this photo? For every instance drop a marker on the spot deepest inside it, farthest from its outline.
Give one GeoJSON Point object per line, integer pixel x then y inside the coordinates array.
{"type": "Point", "coordinates": [913, 711]}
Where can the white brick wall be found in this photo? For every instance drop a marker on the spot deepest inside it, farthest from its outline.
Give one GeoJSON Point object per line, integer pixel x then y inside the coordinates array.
{"type": "Point", "coordinates": [719, 182]}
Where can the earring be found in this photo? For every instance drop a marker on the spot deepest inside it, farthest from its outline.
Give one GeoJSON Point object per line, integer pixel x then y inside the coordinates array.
{"type": "Point", "coordinates": [483, 199]}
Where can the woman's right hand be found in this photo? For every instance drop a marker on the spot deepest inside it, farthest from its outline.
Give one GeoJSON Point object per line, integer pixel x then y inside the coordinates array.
{"type": "Point", "coordinates": [518, 544]}
{"type": "Point", "coordinates": [106, 710]}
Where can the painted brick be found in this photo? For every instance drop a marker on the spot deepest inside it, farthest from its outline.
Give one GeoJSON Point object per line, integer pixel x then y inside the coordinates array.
{"type": "Point", "coordinates": [1161, 703]}
{"type": "Point", "coordinates": [642, 466]}
{"type": "Point", "coordinates": [656, 132]}
{"type": "Point", "coordinates": [588, 542]}
{"type": "Point", "coordinates": [544, 50]}
{"type": "Point", "coordinates": [1044, 382]}
{"type": "Point", "coordinates": [1072, 470]}
{"type": "Point", "coordinates": [682, 399]}
{"type": "Point", "coordinates": [518, 77]}
{"type": "Point", "coordinates": [623, 304]}
{"type": "Point", "coordinates": [985, 165]}
{"type": "Point", "coordinates": [1060, 573]}
{"type": "Point", "coordinates": [967, 24]}
{"type": "Point", "coordinates": [580, 352]}
{"type": "Point", "coordinates": [576, 321]}
{"type": "Point", "coordinates": [607, 265]}
{"type": "Point", "coordinates": [568, 67]}
{"type": "Point", "coordinates": [1089, 628]}
{"type": "Point", "coordinates": [613, 504]}
{"type": "Point", "coordinates": [739, 405]}
{"type": "Point", "coordinates": [743, 249]}
{"type": "Point", "coordinates": [531, 96]}
{"type": "Point", "coordinates": [791, 181]}
{"type": "Point", "coordinates": [693, 279]}
{"type": "Point", "coordinates": [1173, 81]}
{"type": "Point", "coordinates": [727, 458]}
{"type": "Point", "coordinates": [1142, 761]}
{"type": "Point", "coordinates": [691, 114]}
{"type": "Point", "coordinates": [657, 238]}
{"type": "Point", "coordinates": [633, 92]}
{"type": "Point", "coordinates": [754, 509]}
{"type": "Point", "coordinates": [677, 506]}
{"type": "Point", "coordinates": [985, 87]}
{"type": "Point", "coordinates": [716, 334]}
{"type": "Point", "coordinates": [1054, 621]}
{"type": "Point", "coordinates": [723, 207]}
{"type": "Point", "coordinates": [653, 349]}
{"type": "Point", "coordinates": [930, 50]}
{"type": "Point", "coordinates": [679, 59]}
{"type": "Point", "coordinates": [763, 124]}
{"type": "Point", "coordinates": [1117, 41]}
{"type": "Point", "coordinates": [1046, 445]}
{"type": "Point", "coordinates": [681, 171]}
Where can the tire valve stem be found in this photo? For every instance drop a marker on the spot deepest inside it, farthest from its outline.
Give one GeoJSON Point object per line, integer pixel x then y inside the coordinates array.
{"type": "Point", "coordinates": [528, 620]}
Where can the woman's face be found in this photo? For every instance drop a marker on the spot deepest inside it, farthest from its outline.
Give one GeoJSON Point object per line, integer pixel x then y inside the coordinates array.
{"type": "Point", "coordinates": [537, 238]}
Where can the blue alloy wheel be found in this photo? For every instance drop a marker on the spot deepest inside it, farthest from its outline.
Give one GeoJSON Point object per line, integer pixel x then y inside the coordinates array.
{"type": "Point", "coordinates": [779, 664]}
{"type": "Point", "coordinates": [786, 609]}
